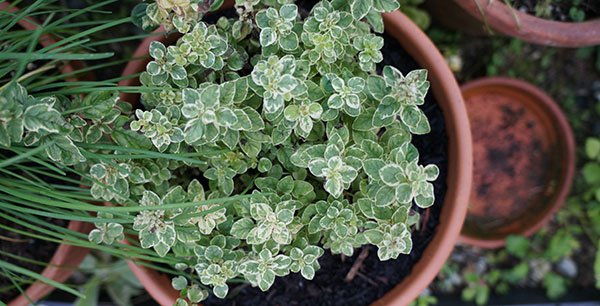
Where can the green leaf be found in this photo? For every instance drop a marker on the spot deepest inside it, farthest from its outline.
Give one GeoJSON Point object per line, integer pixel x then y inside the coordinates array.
{"type": "Point", "coordinates": [289, 42]}
{"type": "Point", "coordinates": [216, 5]}
{"type": "Point", "coordinates": [190, 96]}
{"type": "Point", "coordinates": [281, 133]}
{"type": "Point", "coordinates": [360, 8]}
{"type": "Point", "coordinates": [385, 114]}
{"type": "Point", "coordinates": [194, 130]}
{"type": "Point", "coordinates": [385, 196]}
{"type": "Point", "coordinates": [364, 121]}
{"type": "Point", "coordinates": [267, 279]}
{"type": "Point", "coordinates": [102, 101]}
{"type": "Point", "coordinates": [591, 173]}
{"type": "Point", "coordinates": [210, 95]}
{"type": "Point", "coordinates": [241, 228]}
{"type": "Point", "coordinates": [93, 134]}
{"type": "Point", "coordinates": [372, 167]}
{"type": "Point", "coordinates": [285, 185]}
{"type": "Point", "coordinates": [267, 37]}
{"type": "Point", "coordinates": [385, 5]}
{"type": "Point", "coordinates": [62, 149]}
{"type": "Point", "coordinates": [43, 117]}
{"type": "Point", "coordinates": [288, 12]}
{"type": "Point", "coordinates": [264, 165]}
{"type": "Point", "coordinates": [179, 283]}
{"type": "Point", "coordinates": [301, 189]}
{"type": "Point", "coordinates": [375, 20]}
{"type": "Point", "coordinates": [376, 87]}
{"type": "Point", "coordinates": [308, 272]}
{"type": "Point", "coordinates": [226, 117]}
{"type": "Point", "coordinates": [252, 149]}
{"type": "Point", "coordinates": [390, 174]}
{"type": "Point", "coordinates": [415, 120]}
{"type": "Point", "coordinates": [213, 253]}
{"type": "Point", "coordinates": [517, 246]}
{"type": "Point", "coordinates": [316, 166]}
{"type": "Point", "coordinates": [424, 201]}
{"type": "Point", "coordinates": [196, 295]}
{"type": "Point", "coordinates": [292, 112]}
{"type": "Point", "coordinates": [130, 139]}
{"type": "Point", "coordinates": [555, 285]}
{"type": "Point", "coordinates": [404, 193]}
{"type": "Point", "coordinates": [221, 291]}
{"type": "Point", "coordinates": [262, 20]}
{"type": "Point", "coordinates": [374, 236]}
{"type": "Point", "coordinates": [592, 148]}
{"type": "Point", "coordinates": [257, 121]}
{"type": "Point", "coordinates": [335, 187]}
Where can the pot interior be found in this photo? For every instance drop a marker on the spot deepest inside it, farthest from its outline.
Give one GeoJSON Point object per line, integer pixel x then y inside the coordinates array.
{"type": "Point", "coordinates": [519, 162]}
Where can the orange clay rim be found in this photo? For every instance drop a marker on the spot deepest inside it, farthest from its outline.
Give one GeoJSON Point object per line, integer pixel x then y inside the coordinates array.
{"type": "Point", "coordinates": [512, 22]}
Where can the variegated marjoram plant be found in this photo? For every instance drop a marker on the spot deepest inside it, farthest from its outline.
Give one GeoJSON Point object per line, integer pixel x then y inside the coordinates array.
{"type": "Point", "coordinates": [286, 138]}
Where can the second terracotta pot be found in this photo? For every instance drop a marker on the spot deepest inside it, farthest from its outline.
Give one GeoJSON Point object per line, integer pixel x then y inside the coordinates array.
{"type": "Point", "coordinates": [480, 16]}
{"type": "Point", "coordinates": [449, 98]}
{"type": "Point", "coordinates": [524, 160]}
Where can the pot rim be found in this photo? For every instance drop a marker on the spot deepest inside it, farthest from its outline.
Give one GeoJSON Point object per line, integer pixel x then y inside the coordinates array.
{"type": "Point", "coordinates": [512, 22]}
{"type": "Point", "coordinates": [449, 98]}
{"type": "Point", "coordinates": [565, 135]}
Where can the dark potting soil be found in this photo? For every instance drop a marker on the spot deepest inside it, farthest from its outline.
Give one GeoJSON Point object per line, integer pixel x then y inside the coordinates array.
{"type": "Point", "coordinates": [24, 247]}
{"type": "Point", "coordinates": [375, 278]}
{"type": "Point", "coordinates": [558, 9]}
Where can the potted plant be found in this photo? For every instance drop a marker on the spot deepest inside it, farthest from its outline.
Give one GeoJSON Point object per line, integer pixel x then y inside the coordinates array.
{"type": "Point", "coordinates": [474, 16]}
{"type": "Point", "coordinates": [264, 140]}
{"type": "Point", "coordinates": [264, 91]}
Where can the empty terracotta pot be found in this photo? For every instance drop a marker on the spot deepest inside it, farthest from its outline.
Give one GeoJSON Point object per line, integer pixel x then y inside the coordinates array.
{"type": "Point", "coordinates": [523, 156]}
{"type": "Point", "coordinates": [67, 258]}
{"type": "Point", "coordinates": [480, 16]}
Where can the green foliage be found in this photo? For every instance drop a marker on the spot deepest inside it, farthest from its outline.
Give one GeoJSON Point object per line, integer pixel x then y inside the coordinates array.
{"type": "Point", "coordinates": [573, 9]}
{"type": "Point", "coordinates": [106, 233]}
{"type": "Point", "coordinates": [555, 285]}
{"type": "Point", "coordinates": [424, 300]}
{"type": "Point", "coordinates": [29, 121]}
{"type": "Point", "coordinates": [591, 171]}
{"type": "Point", "coordinates": [304, 125]}
{"type": "Point", "coordinates": [112, 275]}
{"type": "Point", "coordinates": [263, 141]}
{"type": "Point", "coordinates": [477, 290]}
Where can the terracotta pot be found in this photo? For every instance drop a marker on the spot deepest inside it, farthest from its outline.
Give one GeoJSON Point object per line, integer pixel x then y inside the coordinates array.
{"type": "Point", "coordinates": [66, 258]}
{"type": "Point", "coordinates": [474, 16]}
{"type": "Point", "coordinates": [449, 98]}
{"type": "Point", "coordinates": [524, 160]}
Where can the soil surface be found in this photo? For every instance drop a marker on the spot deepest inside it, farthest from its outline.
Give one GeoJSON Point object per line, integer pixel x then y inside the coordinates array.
{"type": "Point", "coordinates": [558, 9]}
{"type": "Point", "coordinates": [375, 278]}
{"type": "Point", "coordinates": [25, 247]}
